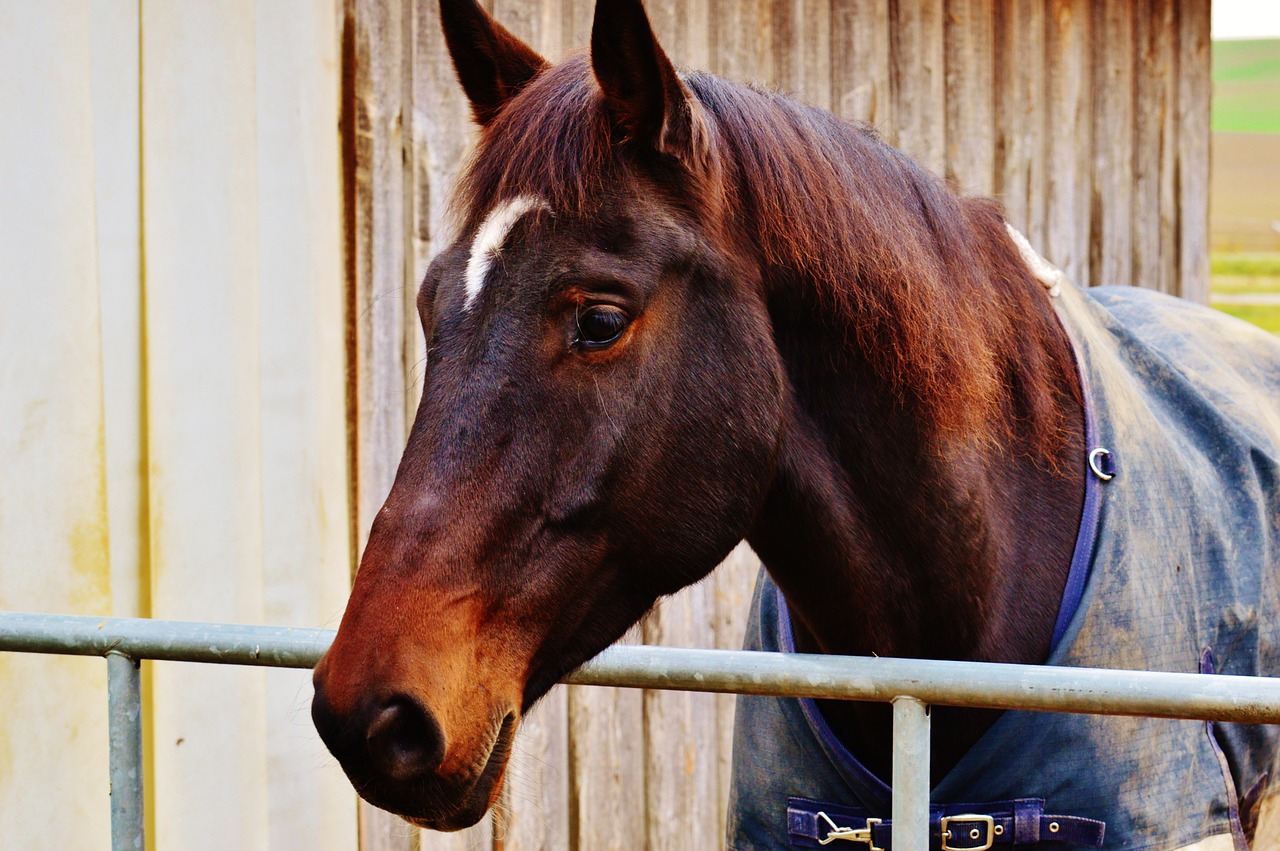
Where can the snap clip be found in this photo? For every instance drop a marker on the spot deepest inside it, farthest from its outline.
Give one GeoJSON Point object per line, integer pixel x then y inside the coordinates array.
{"type": "Point", "coordinates": [1103, 464]}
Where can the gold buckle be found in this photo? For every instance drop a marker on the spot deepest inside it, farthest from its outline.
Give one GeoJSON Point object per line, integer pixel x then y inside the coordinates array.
{"type": "Point", "coordinates": [850, 834]}
{"type": "Point", "coordinates": [988, 821]}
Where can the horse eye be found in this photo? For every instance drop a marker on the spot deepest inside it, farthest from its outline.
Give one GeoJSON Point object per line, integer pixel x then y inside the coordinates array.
{"type": "Point", "coordinates": [599, 326]}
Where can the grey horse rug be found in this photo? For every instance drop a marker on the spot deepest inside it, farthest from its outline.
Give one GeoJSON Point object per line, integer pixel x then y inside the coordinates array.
{"type": "Point", "coordinates": [1177, 568]}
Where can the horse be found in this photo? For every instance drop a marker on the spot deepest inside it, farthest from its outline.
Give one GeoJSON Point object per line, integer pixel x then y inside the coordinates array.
{"type": "Point", "coordinates": [683, 312]}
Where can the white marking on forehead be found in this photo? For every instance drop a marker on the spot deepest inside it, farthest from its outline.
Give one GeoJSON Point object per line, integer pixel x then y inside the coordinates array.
{"type": "Point", "coordinates": [489, 239]}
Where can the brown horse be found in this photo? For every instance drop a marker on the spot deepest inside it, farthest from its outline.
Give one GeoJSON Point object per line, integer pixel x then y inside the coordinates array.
{"type": "Point", "coordinates": [683, 312]}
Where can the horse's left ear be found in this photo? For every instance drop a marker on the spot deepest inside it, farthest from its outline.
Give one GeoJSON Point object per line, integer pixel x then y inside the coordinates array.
{"type": "Point", "coordinates": [647, 100]}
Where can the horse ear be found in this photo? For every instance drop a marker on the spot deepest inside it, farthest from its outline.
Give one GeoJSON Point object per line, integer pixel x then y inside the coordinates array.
{"type": "Point", "coordinates": [642, 91]}
{"type": "Point", "coordinates": [492, 64]}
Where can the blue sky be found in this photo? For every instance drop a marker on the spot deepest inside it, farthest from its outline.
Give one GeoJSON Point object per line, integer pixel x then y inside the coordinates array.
{"type": "Point", "coordinates": [1246, 19]}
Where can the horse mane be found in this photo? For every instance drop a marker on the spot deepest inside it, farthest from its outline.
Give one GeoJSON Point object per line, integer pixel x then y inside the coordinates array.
{"type": "Point", "coordinates": [936, 296]}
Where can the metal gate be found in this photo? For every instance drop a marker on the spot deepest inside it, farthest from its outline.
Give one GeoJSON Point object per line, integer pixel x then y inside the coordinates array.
{"type": "Point", "coordinates": [911, 685]}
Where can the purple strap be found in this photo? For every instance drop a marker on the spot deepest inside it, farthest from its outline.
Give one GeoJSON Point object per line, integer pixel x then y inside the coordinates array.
{"type": "Point", "coordinates": [1087, 535]}
{"type": "Point", "coordinates": [1022, 821]}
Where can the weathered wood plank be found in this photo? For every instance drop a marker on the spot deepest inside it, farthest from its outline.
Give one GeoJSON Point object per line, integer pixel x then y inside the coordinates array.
{"type": "Point", "coordinates": [606, 760]}
{"type": "Point", "coordinates": [1164, 34]}
{"type": "Point", "coordinates": [1070, 138]}
{"type": "Point", "coordinates": [684, 31]}
{"type": "Point", "coordinates": [860, 63]}
{"type": "Point", "coordinates": [918, 81]}
{"type": "Point", "coordinates": [1111, 247]}
{"type": "Point", "coordinates": [1021, 135]}
{"type": "Point", "coordinates": [681, 789]}
{"type": "Point", "coordinates": [375, 107]}
{"type": "Point", "coordinates": [1194, 88]}
{"type": "Point", "coordinates": [970, 95]}
{"type": "Point", "coordinates": [1037, 127]}
{"type": "Point", "coordinates": [539, 22]}
{"type": "Point", "coordinates": [802, 49]}
{"type": "Point", "coordinates": [373, 62]}
{"type": "Point", "coordinates": [734, 580]}
{"type": "Point", "coordinates": [534, 813]}
{"type": "Point", "coordinates": [575, 23]}
{"type": "Point", "coordinates": [1154, 252]}
{"type": "Point", "coordinates": [741, 38]}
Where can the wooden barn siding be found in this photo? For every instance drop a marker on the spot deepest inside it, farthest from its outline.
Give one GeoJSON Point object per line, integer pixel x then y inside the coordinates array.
{"type": "Point", "coordinates": [1089, 120]}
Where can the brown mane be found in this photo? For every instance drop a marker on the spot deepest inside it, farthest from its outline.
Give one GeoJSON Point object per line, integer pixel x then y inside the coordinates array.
{"type": "Point", "coordinates": [935, 295]}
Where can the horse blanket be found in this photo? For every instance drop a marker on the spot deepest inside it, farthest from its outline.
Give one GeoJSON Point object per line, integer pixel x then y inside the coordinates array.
{"type": "Point", "coordinates": [1177, 568]}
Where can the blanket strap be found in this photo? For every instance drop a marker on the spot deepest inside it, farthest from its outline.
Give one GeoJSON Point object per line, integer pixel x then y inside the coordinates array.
{"type": "Point", "coordinates": [952, 827]}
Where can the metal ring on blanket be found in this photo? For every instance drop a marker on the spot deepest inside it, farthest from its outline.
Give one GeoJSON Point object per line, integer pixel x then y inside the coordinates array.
{"type": "Point", "coordinates": [1101, 465]}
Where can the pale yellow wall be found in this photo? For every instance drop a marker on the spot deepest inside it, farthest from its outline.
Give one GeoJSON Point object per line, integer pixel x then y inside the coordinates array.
{"type": "Point", "coordinates": [172, 410]}
{"type": "Point", "coordinates": [53, 509]}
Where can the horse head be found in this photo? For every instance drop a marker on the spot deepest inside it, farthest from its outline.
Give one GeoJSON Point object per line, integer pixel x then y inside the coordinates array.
{"type": "Point", "coordinates": [601, 411]}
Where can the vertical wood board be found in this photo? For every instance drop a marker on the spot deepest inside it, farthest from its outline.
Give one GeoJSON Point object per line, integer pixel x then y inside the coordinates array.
{"type": "Point", "coordinates": [861, 69]}
{"type": "Point", "coordinates": [606, 767]}
{"type": "Point", "coordinates": [918, 81]}
{"type": "Point", "coordinates": [681, 786]}
{"type": "Point", "coordinates": [969, 36]}
{"type": "Point", "coordinates": [535, 799]}
{"type": "Point", "coordinates": [1070, 122]}
{"type": "Point", "coordinates": [374, 57]}
{"type": "Point", "coordinates": [1113, 143]}
{"type": "Point", "coordinates": [1194, 89]}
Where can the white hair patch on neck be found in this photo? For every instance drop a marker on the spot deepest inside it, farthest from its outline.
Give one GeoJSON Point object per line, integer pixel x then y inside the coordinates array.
{"type": "Point", "coordinates": [1045, 272]}
{"type": "Point", "coordinates": [489, 239]}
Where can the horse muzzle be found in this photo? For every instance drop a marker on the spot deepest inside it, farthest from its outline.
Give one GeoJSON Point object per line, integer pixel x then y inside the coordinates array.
{"type": "Point", "coordinates": [399, 757]}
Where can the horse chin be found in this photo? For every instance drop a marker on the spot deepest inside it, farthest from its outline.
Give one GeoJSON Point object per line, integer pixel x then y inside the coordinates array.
{"type": "Point", "coordinates": [435, 804]}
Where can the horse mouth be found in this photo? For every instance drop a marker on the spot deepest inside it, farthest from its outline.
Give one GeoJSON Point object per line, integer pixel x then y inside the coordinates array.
{"type": "Point", "coordinates": [439, 805]}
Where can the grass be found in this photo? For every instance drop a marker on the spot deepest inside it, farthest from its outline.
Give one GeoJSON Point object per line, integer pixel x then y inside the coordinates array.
{"type": "Point", "coordinates": [1246, 86]}
{"type": "Point", "coordinates": [1248, 273]}
{"type": "Point", "coordinates": [1265, 316]}
{"type": "Point", "coordinates": [1258, 264]}
{"type": "Point", "coordinates": [1255, 272]}
{"type": "Point", "coordinates": [1246, 100]}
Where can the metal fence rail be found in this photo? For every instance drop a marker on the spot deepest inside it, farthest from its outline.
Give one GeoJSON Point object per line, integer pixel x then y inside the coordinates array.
{"type": "Point", "coordinates": [910, 684]}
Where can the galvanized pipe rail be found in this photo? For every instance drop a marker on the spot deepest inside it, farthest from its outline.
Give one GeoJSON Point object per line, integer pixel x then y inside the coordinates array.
{"type": "Point", "coordinates": [910, 684]}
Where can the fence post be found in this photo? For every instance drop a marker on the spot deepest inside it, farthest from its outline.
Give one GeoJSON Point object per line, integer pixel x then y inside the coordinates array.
{"type": "Point", "coordinates": [910, 775]}
{"type": "Point", "coordinates": [124, 707]}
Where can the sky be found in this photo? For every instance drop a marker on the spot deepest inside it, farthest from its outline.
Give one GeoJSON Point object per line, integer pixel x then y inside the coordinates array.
{"type": "Point", "coordinates": [1246, 18]}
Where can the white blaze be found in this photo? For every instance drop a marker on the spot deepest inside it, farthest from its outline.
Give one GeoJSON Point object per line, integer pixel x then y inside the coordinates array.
{"type": "Point", "coordinates": [489, 239]}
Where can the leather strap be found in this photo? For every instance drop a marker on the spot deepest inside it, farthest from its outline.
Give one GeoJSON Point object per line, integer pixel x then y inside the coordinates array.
{"type": "Point", "coordinates": [968, 827]}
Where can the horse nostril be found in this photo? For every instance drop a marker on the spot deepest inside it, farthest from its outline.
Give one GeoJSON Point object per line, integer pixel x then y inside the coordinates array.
{"type": "Point", "coordinates": [404, 739]}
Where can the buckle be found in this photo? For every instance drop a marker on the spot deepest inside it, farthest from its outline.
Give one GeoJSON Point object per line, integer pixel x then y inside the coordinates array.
{"type": "Point", "coordinates": [975, 833]}
{"type": "Point", "coordinates": [851, 834]}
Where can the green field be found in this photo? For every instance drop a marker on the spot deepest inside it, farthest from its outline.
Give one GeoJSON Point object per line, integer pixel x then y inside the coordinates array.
{"type": "Point", "coordinates": [1246, 86]}
{"type": "Point", "coordinates": [1266, 317]}
{"type": "Point", "coordinates": [1244, 275]}
{"type": "Point", "coordinates": [1244, 185]}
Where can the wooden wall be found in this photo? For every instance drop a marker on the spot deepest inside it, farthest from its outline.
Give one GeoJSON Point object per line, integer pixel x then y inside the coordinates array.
{"type": "Point", "coordinates": [213, 219]}
{"type": "Point", "coordinates": [1089, 120]}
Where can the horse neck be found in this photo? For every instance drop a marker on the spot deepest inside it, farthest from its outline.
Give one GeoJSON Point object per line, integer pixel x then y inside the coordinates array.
{"type": "Point", "coordinates": [888, 541]}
